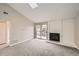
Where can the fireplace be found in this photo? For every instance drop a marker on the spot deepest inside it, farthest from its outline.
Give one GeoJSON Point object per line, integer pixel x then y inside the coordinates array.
{"type": "Point", "coordinates": [54, 37]}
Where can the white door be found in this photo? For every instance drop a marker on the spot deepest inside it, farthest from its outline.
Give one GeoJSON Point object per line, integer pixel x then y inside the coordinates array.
{"type": "Point", "coordinates": [2, 33]}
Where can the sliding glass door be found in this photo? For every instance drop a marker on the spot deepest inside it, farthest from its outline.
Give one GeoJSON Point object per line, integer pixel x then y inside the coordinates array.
{"type": "Point", "coordinates": [41, 31]}
{"type": "Point", "coordinates": [38, 31]}
{"type": "Point", "coordinates": [44, 31]}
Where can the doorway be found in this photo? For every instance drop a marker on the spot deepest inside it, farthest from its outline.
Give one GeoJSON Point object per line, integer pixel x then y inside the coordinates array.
{"type": "Point", "coordinates": [4, 32]}
{"type": "Point", "coordinates": [41, 30]}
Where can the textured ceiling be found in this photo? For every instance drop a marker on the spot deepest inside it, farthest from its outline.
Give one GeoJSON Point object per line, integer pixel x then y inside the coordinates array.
{"type": "Point", "coordinates": [47, 11]}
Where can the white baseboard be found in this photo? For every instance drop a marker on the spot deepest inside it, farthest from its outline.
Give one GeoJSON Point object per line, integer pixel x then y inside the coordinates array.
{"type": "Point", "coordinates": [19, 42]}
{"type": "Point", "coordinates": [3, 45]}
{"type": "Point", "coordinates": [61, 44]}
{"type": "Point", "coordinates": [77, 47]}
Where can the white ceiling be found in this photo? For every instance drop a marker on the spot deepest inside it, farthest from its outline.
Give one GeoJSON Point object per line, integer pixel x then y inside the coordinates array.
{"type": "Point", "coordinates": [47, 11]}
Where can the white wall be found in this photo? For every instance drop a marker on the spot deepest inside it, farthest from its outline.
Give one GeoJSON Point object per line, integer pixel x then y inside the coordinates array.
{"type": "Point", "coordinates": [21, 28]}
{"type": "Point", "coordinates": [66, 30]}
{"type": "Point", "coordinates": [77, 31]}
{"type": "Point", "coordinates": [55, 26]}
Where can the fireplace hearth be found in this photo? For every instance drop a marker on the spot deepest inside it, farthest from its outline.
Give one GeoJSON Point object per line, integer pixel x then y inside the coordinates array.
{"type": "Point", "coordinates": [54, 37]}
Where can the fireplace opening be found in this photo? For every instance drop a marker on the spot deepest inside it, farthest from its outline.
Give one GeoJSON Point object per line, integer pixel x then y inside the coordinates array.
{"type": "Point", "coordinates": [54, 37]}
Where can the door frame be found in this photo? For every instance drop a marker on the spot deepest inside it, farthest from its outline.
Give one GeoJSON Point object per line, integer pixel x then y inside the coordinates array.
{"type": "Point", "coordinates": [7, 34]}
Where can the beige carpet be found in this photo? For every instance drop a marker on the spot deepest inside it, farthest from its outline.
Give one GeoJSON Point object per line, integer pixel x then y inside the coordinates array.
{"type": "Point", "coordinates": [37, 47]}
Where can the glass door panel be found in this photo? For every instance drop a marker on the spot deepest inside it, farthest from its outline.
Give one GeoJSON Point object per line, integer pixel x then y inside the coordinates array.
{"type": "Point", "coordinates": [38, 29]}
{"type": "Point", "coordinates": [44, 31]}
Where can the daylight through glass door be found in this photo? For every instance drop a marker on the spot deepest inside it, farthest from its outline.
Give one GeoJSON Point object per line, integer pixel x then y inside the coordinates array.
{"type": "Point", "coordinates": [41, 31]}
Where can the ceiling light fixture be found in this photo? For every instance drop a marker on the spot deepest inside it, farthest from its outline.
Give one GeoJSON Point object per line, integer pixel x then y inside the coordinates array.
{"type": "Point", "coordinates": [33, 5]}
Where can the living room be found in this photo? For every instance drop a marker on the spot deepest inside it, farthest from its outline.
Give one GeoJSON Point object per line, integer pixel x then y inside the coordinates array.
{"type": "Point", "coordinates": [38, 28]}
